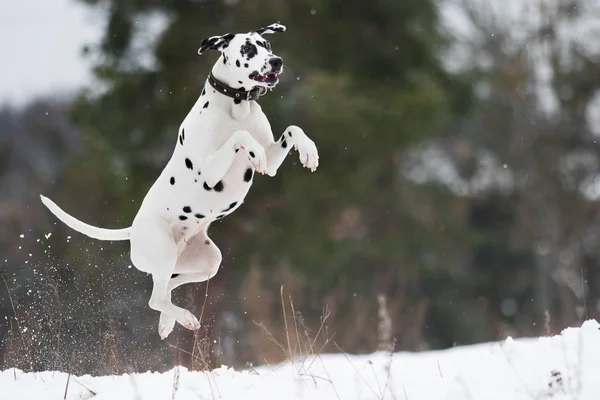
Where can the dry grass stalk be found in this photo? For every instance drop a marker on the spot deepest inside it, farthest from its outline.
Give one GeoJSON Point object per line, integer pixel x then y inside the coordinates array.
{"type": "Point", "coordinates": [201, 347]}
{"type": "Point", "coordinates": [57, 325]}
{"type": "Point", "coordinates": [24, 348]}
{"type": "Point", "coordinates": [287, 332]}
{"type": "Point", "coordinates": [296, 327]}
{"type": "Point", "coordinates": [384, 328]}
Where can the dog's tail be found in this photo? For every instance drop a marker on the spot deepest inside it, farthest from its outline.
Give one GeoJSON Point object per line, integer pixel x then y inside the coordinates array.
{"type": "Point", "coordinates": [86, 229]}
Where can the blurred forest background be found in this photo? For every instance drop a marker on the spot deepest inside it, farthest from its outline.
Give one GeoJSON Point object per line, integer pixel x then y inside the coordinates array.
{"type": "Point", "coordinates": [457, 193]}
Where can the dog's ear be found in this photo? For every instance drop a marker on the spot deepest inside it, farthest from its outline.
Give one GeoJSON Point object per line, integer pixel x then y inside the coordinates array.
{"type": "Point", "coordinates": [273, 28]}
{"type": "Point", "coordinates": [215, 43]}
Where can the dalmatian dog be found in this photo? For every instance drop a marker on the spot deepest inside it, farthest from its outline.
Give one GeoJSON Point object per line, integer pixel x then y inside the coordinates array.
{"type": "Point", "coordinates": [224, 139]}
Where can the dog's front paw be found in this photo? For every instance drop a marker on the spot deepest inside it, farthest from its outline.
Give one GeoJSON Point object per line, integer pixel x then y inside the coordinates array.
{"type": "Point", "coordinates": [256, 153]}
{"type": "Point", "coordinates": [258, 158]}
{"type": "Point", "coordinates": [309, 156]}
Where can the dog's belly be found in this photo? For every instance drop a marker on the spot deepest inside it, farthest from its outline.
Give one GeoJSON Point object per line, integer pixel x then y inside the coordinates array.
{"type": "Point", "coordinates": [183, 198]}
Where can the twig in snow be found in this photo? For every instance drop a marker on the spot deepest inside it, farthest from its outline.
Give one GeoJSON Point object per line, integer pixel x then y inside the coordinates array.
{"type": "Point", "coordinates": [85, 387]}
{"type": "Point", "coordinates": [329, 376]}
{"type": "Point", "coordinates": [355, 369]}
{"type": "Point", "coordinates": [175, 382]}
{"type": "Point", "coordinates": [512, 366]}
{"type": "Point", "coordinates": [388, 369]}
{"type": "Point", "coordinates": [67, 386]}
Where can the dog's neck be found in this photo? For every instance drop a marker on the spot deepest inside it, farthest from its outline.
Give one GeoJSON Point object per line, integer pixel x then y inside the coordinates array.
{"type": "Point", "coordinates": [239, 108]}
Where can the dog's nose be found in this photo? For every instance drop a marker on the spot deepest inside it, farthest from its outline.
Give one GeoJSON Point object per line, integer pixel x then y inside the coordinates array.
{"type": "Point", "coordinates": [276, 63]}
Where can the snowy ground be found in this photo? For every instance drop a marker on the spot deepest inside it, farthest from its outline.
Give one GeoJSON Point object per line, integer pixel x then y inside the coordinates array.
{"type": "Point", "coordinates": [561, 367]}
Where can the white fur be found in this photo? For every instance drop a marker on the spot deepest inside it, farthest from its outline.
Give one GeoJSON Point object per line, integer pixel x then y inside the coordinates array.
{"type": "Point", "coordinates": [161, 243]}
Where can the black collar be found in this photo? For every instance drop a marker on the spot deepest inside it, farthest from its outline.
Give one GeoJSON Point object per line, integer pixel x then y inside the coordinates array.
{"type": "Point", "coordinates": [222, 88]}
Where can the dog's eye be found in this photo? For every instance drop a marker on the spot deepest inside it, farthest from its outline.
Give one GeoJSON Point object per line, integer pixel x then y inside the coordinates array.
{"type": "Point", "coordinates": [246, 49]}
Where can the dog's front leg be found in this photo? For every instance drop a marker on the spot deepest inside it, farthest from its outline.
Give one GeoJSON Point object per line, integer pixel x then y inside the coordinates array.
{"type": "Point", "coordinates": [216, 165]}
{"type": "Point", "coordinates": [295, 137]}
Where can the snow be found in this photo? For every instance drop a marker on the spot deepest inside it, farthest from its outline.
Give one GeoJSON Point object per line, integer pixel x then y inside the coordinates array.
{"type": "Point", "coordinates": [560, 367]}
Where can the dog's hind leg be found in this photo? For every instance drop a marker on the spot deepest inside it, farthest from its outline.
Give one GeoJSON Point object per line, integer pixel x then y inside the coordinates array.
{"type": "Point", "coordinates": [154, 250]}
{"type": "Point", "coordinates": [198, 262]}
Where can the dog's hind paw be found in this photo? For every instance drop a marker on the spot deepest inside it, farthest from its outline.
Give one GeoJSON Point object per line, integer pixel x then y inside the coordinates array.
{"type": "Point", "coordinates": [165, 325]}
{"type": "Point", "coordinates": [188, 321]}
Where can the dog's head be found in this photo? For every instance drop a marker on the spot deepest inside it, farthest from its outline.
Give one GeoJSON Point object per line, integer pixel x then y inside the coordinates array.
{"type": "Point", "coordinates": [246, 58]}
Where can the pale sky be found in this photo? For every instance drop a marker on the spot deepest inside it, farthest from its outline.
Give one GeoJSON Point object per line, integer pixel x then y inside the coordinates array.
{"type": "Point", "coordinates": [40, 47]}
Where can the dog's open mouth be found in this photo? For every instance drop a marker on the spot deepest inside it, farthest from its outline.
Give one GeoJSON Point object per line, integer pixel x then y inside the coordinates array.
{"type": "Point", "coordinates": [269, 78]}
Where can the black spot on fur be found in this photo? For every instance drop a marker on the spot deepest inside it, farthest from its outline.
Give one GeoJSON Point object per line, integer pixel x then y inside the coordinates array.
{"type": "Point", "coordinates": [248, 175]}
{"type": "Point", "coordinates": [242, 88]}
{"type": "Point", "coordinates": [199, 173]}
{"type": "Point", "coordinates": [207, 242]}
{"type": "Point", "coordinates": [199, 216]}
{"type": "Point", "coordinates": [249, 49]}
{"type": "Point", "coordinates": [237, 101]}
{"type": "Point", "coordinates": [219, 187]}
{"type": "Point", "coordinates": [205, 105]}
{"type": "Point", "coordinates": [187, 209]}
{"type": "Point", "coordinates": [182, 217]}
{"type": "Point", "coordinates": [188, 163]}
{"type": "Point", "coordinates": [206, 186]}
{"type": "Point", "coordinates": [264, 45]}
{"type": "Point", "coordinates": [183, 134]}
{"type": "Point", "coordinates": [283, 144]}
{"type": "Point", "coordinates": [181, 139]}
{"type": "Point", "coordinates": [174, 276]}
{"type": "Point", "coordinates": [230, 207]}
{"type": "Point", "coordinates": [220, 216]}
{"type": "Point", "coordinates": [252, 154]}
{"type": "Point", "coordinates": [290, 133]}
{"type": "Point", "coordinates": [246, 65]}
{"type": "Point", "coordinates": [237, 63]}
{"type": "Point", "coordinates": [224, 59]}
{"type": "Point", "coordinates": [236, 150]}
{"type": "Point", "coordinates": [172, 180]}
{"type": "Point", "coordinates": [240, 82]}
{"type": "Point", "coordinates": [203, 91]}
